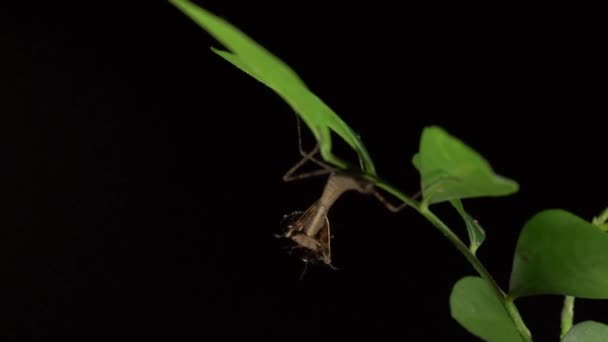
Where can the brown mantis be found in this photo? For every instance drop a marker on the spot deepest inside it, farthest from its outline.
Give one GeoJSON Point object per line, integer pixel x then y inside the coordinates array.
{"type": "Point", "coordinates": [310, 230]}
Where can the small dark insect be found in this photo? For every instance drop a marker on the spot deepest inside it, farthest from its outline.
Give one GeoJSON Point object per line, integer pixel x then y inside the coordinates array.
{"type": "Point", "coordinates": [310, 249]}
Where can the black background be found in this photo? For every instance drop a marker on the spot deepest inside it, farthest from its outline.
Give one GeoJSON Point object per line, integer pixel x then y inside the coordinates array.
{"type": "Point", "coordinates": [145, 172]}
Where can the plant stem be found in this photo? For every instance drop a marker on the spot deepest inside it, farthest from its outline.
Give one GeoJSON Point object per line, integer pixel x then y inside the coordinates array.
{"type": "Point", "coordinates": [524, 333]}
{"type": "Point", "coordinates": [567, 315]}
{"type": "Point", "coordinates": [507, 302]}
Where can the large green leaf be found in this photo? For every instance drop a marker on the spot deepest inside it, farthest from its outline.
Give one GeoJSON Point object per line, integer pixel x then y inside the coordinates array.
{"type": "Point", "coordinates": [449, 169]}
{"type": "Point", "coordinates": [474, 305]}
{"type": "Point", "coordinates": [253, 59]}
{"type": "Point", "coordinates": [559, 253]}
{"type": "Point", "coordinates": [477, 234]}
{"type": "Point", "coordinates": [588, 331]}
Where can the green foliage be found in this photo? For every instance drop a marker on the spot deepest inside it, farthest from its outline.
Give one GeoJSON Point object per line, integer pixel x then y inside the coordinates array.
{"type": "Point", "coordinates": [476, 233]}
{"type": "Point", "coordinates": [474, 305]}
{"type": "Point", "coordinates": [253, 59]}
{"type": "Point", "coordinates": [449, 169]}
{"type": "Point", "coordinates": [602, 220]}
{"type": "Point", "coordinates": [562, 254]}
{"type": "Point", "coordinates": [588, 331]}
{"type": "Point", "coordinates": [557, 253]}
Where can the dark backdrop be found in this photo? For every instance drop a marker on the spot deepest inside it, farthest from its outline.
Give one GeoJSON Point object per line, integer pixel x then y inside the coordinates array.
{"type": "Point", "coordinates": [145, 172]}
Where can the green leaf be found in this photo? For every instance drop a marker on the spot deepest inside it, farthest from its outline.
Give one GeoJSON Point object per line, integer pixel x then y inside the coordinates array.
{"type": "Point", "coordinates": [588, 331]}
{"type": "Point", "coordinates": [561, 254]}
{"type": "Point", "coordinates": [416, 161]}
{"type": "Point", "coordinates": [600, 220]}
{"type": "Point", "coordinates": [474, 305]}
{"type": "Point", "coordinates": [449, 169]}
{"type": "Point", "coordinates": [253, 59]}
{"type": "Point", "coordinates": [476, 233]}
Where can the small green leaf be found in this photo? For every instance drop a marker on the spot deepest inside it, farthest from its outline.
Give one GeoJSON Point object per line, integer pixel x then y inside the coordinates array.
{"type": "Point", "coordinates": [559, 253]}
{"type": "Point", "coordinates": [600, 220]}
{"type": "Point", "coordinates": [474, 305]}
{"type": "Point", "coordinates": [449, 169]}
{"type": "Point", "coordinates": [476, 233]}
{"type": "Point", "coordinates": [588, 331]}
{"type": "Point", "coordinates": [416, 161]}
{"type": "Point", "coordinates": [253, 59]}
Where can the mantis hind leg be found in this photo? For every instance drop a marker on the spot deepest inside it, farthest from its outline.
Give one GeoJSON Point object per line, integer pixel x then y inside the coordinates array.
{"type": "Point", "coordinates": [290, 175]}
{"type": "Point", "coordinates": [391, 207]}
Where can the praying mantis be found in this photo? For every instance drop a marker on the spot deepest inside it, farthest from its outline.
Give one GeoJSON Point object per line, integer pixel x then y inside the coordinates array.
{"type": "Point", "coordinates": [309, 230]}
